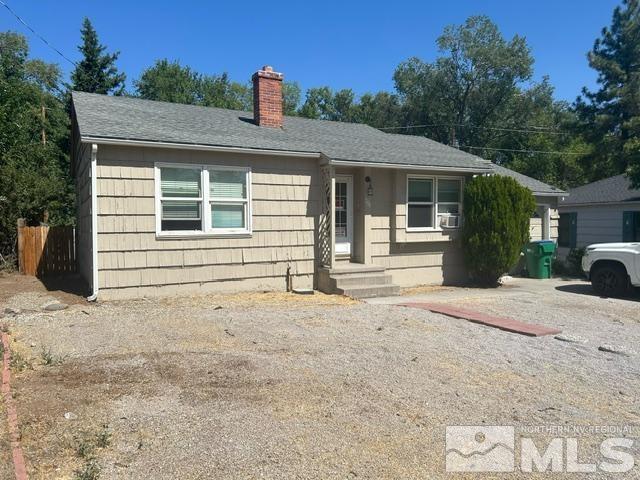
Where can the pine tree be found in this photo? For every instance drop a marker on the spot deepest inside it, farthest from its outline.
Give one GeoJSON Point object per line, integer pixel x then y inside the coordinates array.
{"type": "Point", "coordinates": [96, 73]}
{"type": "Point", "coordinates": [610, 116]}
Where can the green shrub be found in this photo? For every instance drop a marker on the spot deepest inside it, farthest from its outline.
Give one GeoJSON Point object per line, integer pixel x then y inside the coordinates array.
{"type": "Point", "coordinates": [497, 211]}
{"type": "Point", "coordinates": [574, 261]}
{"type": "Point", "coordinates": [572, 264]}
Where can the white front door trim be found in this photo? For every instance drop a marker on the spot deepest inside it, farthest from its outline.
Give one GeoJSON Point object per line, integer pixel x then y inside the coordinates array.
{"type": "Point", "coordinates": [344, 243]}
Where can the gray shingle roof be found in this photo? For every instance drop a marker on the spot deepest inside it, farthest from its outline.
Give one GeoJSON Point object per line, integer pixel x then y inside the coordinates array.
{"type": "Point", "coordinates": [609, 190]}
{"type": "Point", "coordinates": [126, 118]}
{"type": "Point", "coordinates": [135, 119]}
{"type": "Point", "coordinates": [536, 186]}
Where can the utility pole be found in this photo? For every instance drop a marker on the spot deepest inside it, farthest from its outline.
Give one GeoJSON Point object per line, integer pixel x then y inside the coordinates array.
{"type": "Point", "coordinates": [44, 119]}
{"type": "Point", "coordinates": [45, 214]}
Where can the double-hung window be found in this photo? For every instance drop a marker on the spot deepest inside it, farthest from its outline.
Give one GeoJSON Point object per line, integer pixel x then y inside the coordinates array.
{"type": "Point", "coordinates": [449, 202]}
{"type": "Point", "coordinates": [202, 199]}
{"type": "Point", "coordinates": [433, 203]}
{"type": "Point", "coordinates": [181, 199]}
{"type": "Point", "coordinates": [228, 199]}
{"type": "Point", "coordinates": [420, 202]}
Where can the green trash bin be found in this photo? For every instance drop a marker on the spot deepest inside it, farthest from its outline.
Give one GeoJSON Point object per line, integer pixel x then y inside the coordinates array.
{"type": "Point", "coordinates": [538, 256]}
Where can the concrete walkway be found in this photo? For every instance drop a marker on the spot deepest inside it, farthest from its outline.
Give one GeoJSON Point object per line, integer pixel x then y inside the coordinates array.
{"type": "Point", "coordinates": [516, 287]}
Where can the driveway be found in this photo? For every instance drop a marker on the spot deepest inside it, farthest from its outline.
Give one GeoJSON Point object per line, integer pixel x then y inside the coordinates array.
{"type": "Point", "coordinates": [279, 386]}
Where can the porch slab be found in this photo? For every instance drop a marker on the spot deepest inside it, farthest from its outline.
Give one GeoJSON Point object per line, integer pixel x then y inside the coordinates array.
{"type": "Point", "coordinates": [503, 323]}
{"type": "Point", "coordinates": [357, 280]}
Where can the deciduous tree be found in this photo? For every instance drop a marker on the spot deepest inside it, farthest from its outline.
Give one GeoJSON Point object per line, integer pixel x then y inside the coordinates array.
{"type": "Point", "coordinates": [34, 142]}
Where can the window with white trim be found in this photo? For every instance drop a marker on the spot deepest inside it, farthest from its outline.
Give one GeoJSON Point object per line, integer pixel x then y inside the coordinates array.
{"type": "Point", "coordinates": [420, 202]}
{"type": "Point", "coordinates": [228, 199]}
{"type": "Point", "coordinates": [200, 199]}
{"type": "Point", "coordinates": [449, 202]}
{"type": "Point", "coordinates": [433, 203]}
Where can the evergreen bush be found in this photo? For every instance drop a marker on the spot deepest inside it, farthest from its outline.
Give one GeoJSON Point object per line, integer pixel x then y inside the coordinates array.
{"type": "Point", "coordinates": [497, 211]}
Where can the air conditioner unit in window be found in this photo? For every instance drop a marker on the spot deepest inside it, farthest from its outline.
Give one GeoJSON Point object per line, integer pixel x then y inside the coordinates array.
{"type": "Point", "coordinates": [450, 221]}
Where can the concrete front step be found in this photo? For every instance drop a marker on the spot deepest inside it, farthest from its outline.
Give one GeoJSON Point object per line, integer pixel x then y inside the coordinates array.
{"type": "Point", "coordinates": [357, 280]}
{"type": "Point", "coordinates": [369, 291]}
{"type": "Point", "coordinates": [354, 268]}
{"type": "Point", "coordinates": [360, 279]}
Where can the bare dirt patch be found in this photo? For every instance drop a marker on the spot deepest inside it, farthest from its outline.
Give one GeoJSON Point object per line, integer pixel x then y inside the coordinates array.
{"type": "Point", "coordinates": [256, 299]}
{"type": "Point", "coordinates": [66, 290]}
{"type": "Point", "coordinates": [276, 385]}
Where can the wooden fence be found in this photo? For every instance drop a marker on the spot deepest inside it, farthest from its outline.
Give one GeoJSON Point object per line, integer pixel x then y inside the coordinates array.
{"type": "Point", "coordinates": [46, 250]}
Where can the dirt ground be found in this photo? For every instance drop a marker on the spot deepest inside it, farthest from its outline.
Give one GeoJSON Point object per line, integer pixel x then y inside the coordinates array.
{"type": "Point", "coordinates": [276, 385]}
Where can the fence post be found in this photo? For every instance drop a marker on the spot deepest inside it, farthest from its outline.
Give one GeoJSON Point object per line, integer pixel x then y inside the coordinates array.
{"type": "Point", "coordinates": [20, 225]}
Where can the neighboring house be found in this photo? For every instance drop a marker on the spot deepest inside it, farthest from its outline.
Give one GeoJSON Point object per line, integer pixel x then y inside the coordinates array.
{"type": "Point", "coordinates": [601, 212]}
{"type": "Point", "coordinates": [544, 223]}
{"type": "Point", "coordinates": [177, 199]}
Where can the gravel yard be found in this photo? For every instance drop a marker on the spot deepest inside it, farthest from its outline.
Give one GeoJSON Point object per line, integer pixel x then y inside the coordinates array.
{"type": "Point", "coordinates": [275, 385]}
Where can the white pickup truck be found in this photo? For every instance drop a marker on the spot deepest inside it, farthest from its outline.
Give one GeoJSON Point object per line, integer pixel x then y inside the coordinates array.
{"type": "Point", "coordinates": [612, 267]}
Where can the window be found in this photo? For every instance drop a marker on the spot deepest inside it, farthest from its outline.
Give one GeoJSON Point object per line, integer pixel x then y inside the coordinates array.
{"type": "Point", "coordinates": [228, 199]}
{"type": "Point", "coordinates": [631, 226]}
{"type": "Point", "coordinates": [181, 199]}
{"type": "Point", "coordinates": [203, 199]}
{"type": "Point", "coordinates": [420, 203]}
{"type": "Point", "coordinates": [449, 202]}
{"type": "Point", "coordinates": [567, 230]}
{"type": "Point", "coordinates": [433, 203]}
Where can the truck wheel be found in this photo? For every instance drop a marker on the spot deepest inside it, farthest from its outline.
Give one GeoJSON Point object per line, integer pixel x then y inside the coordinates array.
{"type": "Point", "coordinates": [609, 280]}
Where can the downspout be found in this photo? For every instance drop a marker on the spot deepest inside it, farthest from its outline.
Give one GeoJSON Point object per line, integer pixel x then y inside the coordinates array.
{"type": "Point", "coordinates": [94, 223]}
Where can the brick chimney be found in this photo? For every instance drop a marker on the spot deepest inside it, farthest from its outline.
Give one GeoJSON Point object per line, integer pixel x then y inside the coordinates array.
{"type": "Point", "coordinates": [267, 97]}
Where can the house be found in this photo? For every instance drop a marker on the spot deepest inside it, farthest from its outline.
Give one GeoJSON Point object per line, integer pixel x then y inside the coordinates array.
{"type": "Point", "coordinates": [601, 212]}
{"type": "Point", "coordinates": [176, 199]}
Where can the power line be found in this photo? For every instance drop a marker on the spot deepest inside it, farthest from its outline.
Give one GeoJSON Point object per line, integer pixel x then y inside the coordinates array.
{"type": "Point", "coordinates": [37, 34]}
{"type": "Point", "coordinates": [545, 130]}
{"type": "Point", "coordinates": [547, 152]}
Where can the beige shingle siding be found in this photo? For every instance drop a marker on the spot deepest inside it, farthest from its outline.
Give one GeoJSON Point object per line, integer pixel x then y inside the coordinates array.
{"type": "Point", "coordinates": [535, 228]}
{"type": "Point", "coordinates": [412, 259]}
{"type": "Point", "coordinates": [82, 160]}
{"type": "Point", "coordinates": [398, 222]}
{"type": "Point", "coordinates": [133, 262]}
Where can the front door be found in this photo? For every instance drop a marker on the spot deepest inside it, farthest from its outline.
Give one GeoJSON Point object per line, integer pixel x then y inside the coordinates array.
{"type": "Point", "coordinates": [344, 214]}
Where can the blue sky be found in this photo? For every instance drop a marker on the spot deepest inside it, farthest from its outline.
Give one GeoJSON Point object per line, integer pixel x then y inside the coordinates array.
{"type": "Point", "coordinates": [343, 44]}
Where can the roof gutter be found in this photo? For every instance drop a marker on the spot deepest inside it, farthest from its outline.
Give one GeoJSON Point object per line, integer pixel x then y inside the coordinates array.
{"type": "Point", "coordinates": [348, 163]}
{"type": "Point", "coordinates": [550, 194]}
{"type": "Point", "coordinates": [263, 151]}
{"type": "Point", "coordinates": [196, 146]}
{"type": "Point", "coordinates": [628, 203]}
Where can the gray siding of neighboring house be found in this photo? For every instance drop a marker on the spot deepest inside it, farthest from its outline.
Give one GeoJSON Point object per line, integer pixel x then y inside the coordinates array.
{"type": "Point", "coordinates": [133, 262]}
{"type": "Point", "coordinates": [82, 154]}
{"type": "Point", "coordinates": [598, 223]}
